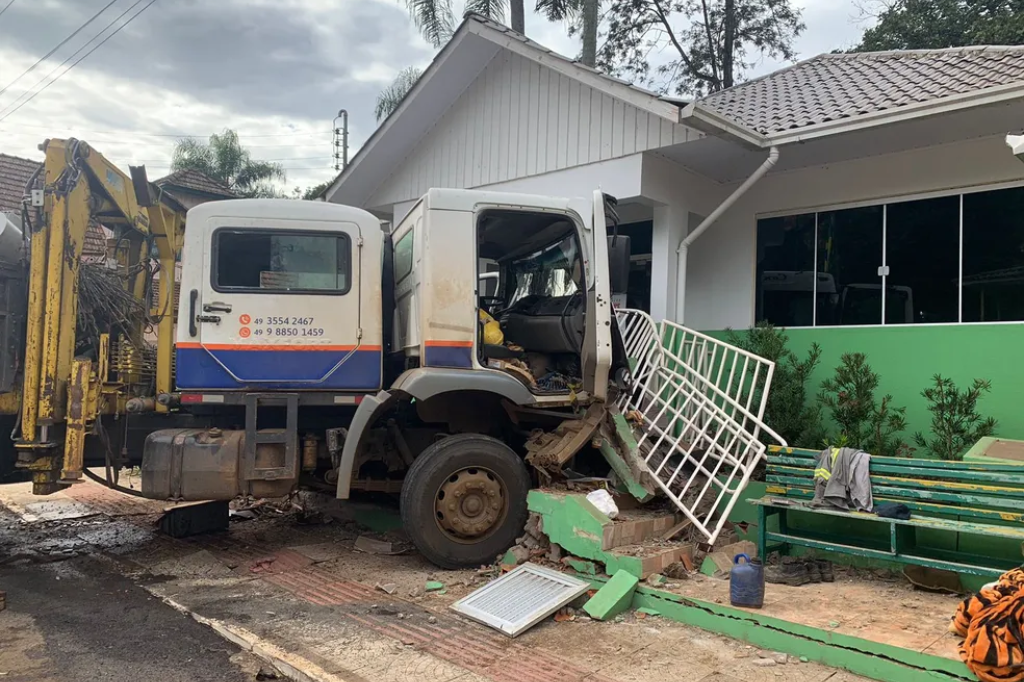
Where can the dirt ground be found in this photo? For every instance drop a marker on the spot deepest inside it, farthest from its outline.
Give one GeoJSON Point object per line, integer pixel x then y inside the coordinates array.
{"type": "Point", "coordinates": [293, 589]}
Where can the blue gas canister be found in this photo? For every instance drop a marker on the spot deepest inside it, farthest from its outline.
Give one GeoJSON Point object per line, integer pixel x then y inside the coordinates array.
{"type": "Point", "coordinates": [746, 582]}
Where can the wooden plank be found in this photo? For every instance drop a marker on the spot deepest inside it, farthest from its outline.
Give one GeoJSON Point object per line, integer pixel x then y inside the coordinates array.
{"type": "Point", "coordinates": [940, 485]}
{"type": "Point", "coordinates": [930, 522]}
{"type": "Point", "coordinates": [801, 493]}
{"type": "Point", "coordinates": [776, 450]}
{"type": "Point", "coordinates": [795, 465]}
{"type": "Point", "coordinates": [885, 555]}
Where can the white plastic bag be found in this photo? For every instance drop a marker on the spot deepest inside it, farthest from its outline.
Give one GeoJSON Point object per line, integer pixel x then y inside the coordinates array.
{"type": "Point", "coordinates": [602, 499]}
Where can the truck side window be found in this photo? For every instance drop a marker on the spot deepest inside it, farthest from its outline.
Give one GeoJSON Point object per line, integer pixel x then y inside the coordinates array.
{"type": "Point", "coordinates": [279, 261]}
{"type": "Point", "coordinates": [403, 256]}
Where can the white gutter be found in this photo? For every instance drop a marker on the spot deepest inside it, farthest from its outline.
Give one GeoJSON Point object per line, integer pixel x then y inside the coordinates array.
{"type": "Point", "coordinates": [684, 245]}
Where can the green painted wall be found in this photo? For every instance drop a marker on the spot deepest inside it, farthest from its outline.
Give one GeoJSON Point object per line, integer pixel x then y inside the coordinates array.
{"type": "Point", "coordinates": [906, 358]}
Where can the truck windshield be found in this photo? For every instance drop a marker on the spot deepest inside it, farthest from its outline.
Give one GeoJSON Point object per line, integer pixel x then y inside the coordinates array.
{"type": "Point", "coordinates": [549, 272]}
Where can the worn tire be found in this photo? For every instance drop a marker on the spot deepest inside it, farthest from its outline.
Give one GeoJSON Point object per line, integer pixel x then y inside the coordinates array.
{"type": "Point", "coordinates": [432, 468]}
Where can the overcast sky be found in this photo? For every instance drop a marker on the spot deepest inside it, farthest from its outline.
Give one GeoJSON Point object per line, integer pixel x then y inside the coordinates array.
{"type": "Point", "coordinates": [277, 71]}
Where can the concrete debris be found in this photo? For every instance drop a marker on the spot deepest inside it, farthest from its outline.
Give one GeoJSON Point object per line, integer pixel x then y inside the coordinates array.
{"type": "Point", "coordinates": [677, 571]}
{"type": "Point", "coordinates": [432, 620]}
{"type": "Point", "coordinates": [555, 553]}
{"type": "Point", "coordinates": [613, 598]}
{"type": "Point", "coordinates": [764, 662]}
{"type": "Point", "coordinates": [434, 586]}
{"type": "Point", "coordinates": [517, 555]}
{"type": "Point", "coordinates": [389, 588]}
{"type": "Point", "coordinates": [656, 579]}
{"type": "Point", "coordinates": [373, 546]}
{"type": "Point", "coordinates": [780, 658]}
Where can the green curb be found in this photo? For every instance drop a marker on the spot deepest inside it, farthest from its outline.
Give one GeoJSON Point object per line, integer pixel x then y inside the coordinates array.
{"type": "Point", "coordinates": [613, 598]}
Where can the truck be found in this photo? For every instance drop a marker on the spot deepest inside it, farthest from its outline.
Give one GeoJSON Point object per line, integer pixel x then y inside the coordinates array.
{"type": "Point", "coordinates": [455, 359]}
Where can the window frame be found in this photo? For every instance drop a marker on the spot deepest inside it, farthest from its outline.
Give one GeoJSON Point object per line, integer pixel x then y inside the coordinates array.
{"type": "Point", "coordinates": [885, 202]}
{"type": "Point", "coordinates": [411, 234]}
{"type": "Point", "coordinates": [215, 260]}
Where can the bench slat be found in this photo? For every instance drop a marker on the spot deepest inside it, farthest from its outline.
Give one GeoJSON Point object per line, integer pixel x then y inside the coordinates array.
{"type": "Point", "coordinates": [774, 450]}
{"type": "Point", "coordinates": [911, 471]}
{"type": "Point", "coordinates": [917, 483]}
{"type": "Point", "coordinates": [972, 527]}
{"type": "Point", "coordinates": [971, 499]}
{"type": "Point", "coordinates": [924, 507]}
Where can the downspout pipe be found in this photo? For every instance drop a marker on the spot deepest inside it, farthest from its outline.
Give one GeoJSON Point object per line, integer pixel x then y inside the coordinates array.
{"type": "Point", "coordinates": [684, 244]}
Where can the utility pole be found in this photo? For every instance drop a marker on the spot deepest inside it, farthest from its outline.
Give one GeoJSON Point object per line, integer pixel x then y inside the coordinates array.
{"type": "Point", "coordinates": [341, 141]}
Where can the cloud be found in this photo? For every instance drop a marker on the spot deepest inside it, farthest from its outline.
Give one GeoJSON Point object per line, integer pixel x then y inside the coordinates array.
{"type": "Point", "coordinates": [277, 71]}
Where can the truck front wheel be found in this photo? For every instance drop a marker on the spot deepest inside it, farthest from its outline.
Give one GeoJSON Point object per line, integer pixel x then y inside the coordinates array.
{"type": "Point", "coordinates": [464, 500]}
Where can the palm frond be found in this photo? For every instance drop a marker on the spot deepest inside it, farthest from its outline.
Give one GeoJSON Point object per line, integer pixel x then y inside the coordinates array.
{"type": "Point", "coordinates": [434, 19]}
{"type": "Point", "coordinates": [391, 96]}
{"type": "Point", "coordinates": [559, 10]}
{"type": "Point", "coordinates": [492, 9]}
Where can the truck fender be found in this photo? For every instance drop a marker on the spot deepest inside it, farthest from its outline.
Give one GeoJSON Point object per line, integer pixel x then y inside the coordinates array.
{"type": "Point", "coordinates": [420, 384]}
{"type": "Point", "coordinates": [371, 407]}
{"type": "Point", "coordinates": [426, 382]}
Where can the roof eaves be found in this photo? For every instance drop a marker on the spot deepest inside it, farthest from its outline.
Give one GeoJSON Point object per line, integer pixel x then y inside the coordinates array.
{"type": "Point", "coordinates": [705, 119]}
{"type": "Point", "coordinates": [382, 129]}
{"type": "Point", "coordinates": [641, 98]}
{"type": "Point", "coordinates": [994, 95]}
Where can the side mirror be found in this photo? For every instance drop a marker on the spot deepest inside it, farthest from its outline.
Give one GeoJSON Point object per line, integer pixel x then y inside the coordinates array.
{"type": "Point", "coordinates": [618, 264]}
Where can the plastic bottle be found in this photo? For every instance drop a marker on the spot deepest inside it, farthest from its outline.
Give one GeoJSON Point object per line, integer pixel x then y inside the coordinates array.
{"type": "Point", "coordinates": [746, 582]}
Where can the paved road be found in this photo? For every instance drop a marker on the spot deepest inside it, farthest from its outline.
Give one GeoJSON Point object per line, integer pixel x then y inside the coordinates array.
{"type": "Point", "coordinates": [79, 620]}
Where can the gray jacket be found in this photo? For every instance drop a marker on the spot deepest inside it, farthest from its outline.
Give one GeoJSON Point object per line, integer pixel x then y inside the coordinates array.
{"type": "Point", "coordinates": [841, 480]}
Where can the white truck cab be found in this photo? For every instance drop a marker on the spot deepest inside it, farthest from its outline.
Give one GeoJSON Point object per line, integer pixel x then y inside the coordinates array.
{"type": "Point", "coordinates": [371, 347]}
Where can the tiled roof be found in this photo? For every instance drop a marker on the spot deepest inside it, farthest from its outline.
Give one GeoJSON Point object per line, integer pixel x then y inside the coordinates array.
{"type": "Point", "coordinates": [14, 174]}
{"type": "Point", "coordinates": [832, 87]}
{"type": "Point", "coordinates": [193, 180]}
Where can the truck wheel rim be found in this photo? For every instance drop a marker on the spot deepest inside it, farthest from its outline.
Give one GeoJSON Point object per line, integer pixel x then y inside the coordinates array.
{"type": "Point", "coordinates": [470, 504]}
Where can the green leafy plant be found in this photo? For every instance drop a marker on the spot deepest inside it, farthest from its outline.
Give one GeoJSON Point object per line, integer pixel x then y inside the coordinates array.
{"type": "Point", "coordinates": [787, 412]}
{"type": "Point", "coordinates": [956, 424]}
{"type": "Point", "coordinates": [863, 422]}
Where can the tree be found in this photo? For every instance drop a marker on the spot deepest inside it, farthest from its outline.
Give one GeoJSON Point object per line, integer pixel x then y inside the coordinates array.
{"type": "Point", "coordinates": [311, 193]}
{"type": "Point", "coordinates": [224, 158]}
{"type": "Point", "coordinates": [391, 96]}
{"type": "Point", "coordinates": [583, 17]}
{"type": "Point", "coordinates": [710, 43]}
{"type": "Point", "coordinates": [928, 24]}
{"type": "Point", "coordinates": [436, 20]}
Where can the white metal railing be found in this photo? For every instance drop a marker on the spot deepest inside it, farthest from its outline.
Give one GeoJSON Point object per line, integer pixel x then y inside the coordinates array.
{"type": "Point", "coordinates": [700, 404]}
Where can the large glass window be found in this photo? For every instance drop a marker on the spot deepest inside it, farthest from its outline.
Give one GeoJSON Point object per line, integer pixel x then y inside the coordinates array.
{"type": "Point", "coordinates": [785, 270]}
{"type": "Point", "coordinates": [849, 255]}
{"type": "Point", "coordinates": [993, 287]}
{"type": "Point", "coordinates": [268, 261]}
{"type": "Point", "coordinates": [403, 256]}
{"type": "Point", "coordinates": [922, 252]}
{"type": "Point", "coordinates": [910, 251]}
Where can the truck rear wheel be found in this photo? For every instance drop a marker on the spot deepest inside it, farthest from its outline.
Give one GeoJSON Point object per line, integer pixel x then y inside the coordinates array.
{"type": "Point", "coordinates": [464, 500]}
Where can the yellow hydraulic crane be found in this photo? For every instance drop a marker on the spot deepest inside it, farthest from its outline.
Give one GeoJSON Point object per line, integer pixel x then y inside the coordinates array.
{"type": "Point", "coordinates": [64, 397]}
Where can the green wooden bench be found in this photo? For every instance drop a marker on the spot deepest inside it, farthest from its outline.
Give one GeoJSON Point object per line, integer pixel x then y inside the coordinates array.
{"type": "Point", "coordinates": [947, 498]}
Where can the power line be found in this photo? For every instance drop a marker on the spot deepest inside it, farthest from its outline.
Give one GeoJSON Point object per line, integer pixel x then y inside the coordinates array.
{"type": "Point", "coordinates": [128, 133]}
{"type": "Point", "coordinates": [59, 45]}
{"type": "Point", "coordinates": [6, 7]}
{"type": "Point", "coordinates": [76, 63]}
{"type": "Point", "coordinates": [290, 158]}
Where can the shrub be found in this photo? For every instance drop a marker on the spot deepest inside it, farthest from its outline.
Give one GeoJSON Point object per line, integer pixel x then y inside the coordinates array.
{"type": "Point", "coordinates": [788, 411]}
{"type": "Point", "coordinates": [956, 424]}
{"type": "Point", "coordinates": [850, 397]}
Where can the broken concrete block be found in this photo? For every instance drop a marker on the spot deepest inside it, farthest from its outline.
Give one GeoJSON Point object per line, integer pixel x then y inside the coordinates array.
{"type": "Point", "coordinates": [389, 588]}
{"type": "Point", "coordinates": [372, 546]}
{"type": "Point", "coordinates": [614, 598]}
{"type": "Point", "coordinates": [554, 553]}
{"type": "Point", "coordinates": [517, 555]}
{"type": "Point", "coordinates": [763, 662]}
{"type": "Point", "coordinates": [648, 612]}
{"type": "Point", "coordinates": [656, 579]}
{"type": "Point", "coordinates": [434, 586]}
{"type": "Point", "coordinates": [580, 565]}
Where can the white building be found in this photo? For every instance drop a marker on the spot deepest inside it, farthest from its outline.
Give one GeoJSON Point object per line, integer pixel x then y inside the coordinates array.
{"type": "Point", "coordinates": [881, 172]}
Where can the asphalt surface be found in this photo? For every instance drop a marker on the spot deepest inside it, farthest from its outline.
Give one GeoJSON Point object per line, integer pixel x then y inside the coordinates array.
{"type": "Point", "coordinates": [78, 619]}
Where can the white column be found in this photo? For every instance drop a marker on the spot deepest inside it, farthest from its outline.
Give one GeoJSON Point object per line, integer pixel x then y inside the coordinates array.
{"type": "Point", "coordinates": [670, 226]}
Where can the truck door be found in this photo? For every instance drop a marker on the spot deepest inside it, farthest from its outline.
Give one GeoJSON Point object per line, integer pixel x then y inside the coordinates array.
{"type": "Point", "coordinates": [597, 341]}
{"type": "Point", "coordinates": [280, 307]}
